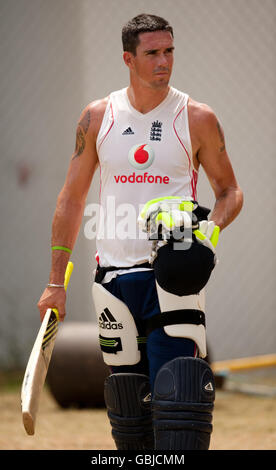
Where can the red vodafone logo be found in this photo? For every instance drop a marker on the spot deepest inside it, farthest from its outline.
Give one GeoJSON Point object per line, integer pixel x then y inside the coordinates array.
{"type": "Point", "coordinates": [141, 156]}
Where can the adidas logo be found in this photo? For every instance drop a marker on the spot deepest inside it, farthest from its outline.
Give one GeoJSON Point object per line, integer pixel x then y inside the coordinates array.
{"type": "Point", "coordinates": [128, 131]}
{"type": "Point", "coordinates": [108, 322]}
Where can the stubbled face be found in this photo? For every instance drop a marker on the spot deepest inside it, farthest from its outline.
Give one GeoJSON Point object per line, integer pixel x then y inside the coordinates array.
{"type": "Point", "coordinates": [153, 62]}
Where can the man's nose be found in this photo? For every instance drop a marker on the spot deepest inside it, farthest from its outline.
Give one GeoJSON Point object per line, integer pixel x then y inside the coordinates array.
{"type": "Point", "coordinates": [162, 60]}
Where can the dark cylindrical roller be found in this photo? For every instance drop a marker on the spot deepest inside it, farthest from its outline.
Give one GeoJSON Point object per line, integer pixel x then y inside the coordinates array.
{"type": "Point", "coordinates": [77, 372]}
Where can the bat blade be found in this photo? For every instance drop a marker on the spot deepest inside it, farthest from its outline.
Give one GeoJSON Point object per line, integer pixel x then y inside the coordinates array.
{"type": "Point", "coordinates": [38, 363]}
{"type": "Point", "coordinates": [36, 370]}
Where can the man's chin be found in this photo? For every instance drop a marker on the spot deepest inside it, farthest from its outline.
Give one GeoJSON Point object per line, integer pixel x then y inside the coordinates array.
{"type": "Point", "coordinates": [160, 83]}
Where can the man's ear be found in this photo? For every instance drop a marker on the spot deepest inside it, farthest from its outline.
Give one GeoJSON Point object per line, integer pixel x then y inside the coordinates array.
{"type": "Point", "coordinates": [128, 56]}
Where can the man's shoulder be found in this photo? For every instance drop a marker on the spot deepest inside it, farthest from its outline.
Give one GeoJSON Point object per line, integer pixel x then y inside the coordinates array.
{"type": "Point", "coordinates": [203, 123]}
{"type": "Point", "coordinates": [201, 116]}
{"type": "Point", "coordinates": [93, 113]}
{"type": "Point", "coordinates": [98, 107]}
{"type": "Point", "coordinates": [200, 111]}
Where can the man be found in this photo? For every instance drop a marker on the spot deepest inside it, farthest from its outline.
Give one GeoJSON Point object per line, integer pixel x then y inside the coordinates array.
{"type": "Point", "coordinates": [149, 140]}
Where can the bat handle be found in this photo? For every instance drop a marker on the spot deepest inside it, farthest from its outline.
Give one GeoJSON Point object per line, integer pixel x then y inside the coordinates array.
{"type": "Point", "coordinates": [68, 272]}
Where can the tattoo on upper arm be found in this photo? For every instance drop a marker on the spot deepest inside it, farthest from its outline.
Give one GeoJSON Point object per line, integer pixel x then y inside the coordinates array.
{"type": "Point", "coordinates": [82, 130]}
{"type": "Point", "coordinates": [221, 136]}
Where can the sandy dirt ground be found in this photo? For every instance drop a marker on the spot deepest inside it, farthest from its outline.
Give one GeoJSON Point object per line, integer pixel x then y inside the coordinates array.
{"type": "Point", "coordinates": [241, 422]}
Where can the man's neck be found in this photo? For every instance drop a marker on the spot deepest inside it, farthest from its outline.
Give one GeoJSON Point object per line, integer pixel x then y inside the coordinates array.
{"type": "Point", "coordinates": [144, 99]}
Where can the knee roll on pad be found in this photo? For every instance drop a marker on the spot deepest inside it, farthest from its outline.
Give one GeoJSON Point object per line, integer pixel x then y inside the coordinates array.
{"type": "Point", "coordinates": [183, 401]}
{"type": "Point", "coordinates": [128, 401]}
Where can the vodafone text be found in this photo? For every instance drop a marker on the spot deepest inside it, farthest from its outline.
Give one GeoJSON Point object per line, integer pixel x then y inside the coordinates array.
{"type": "Point", "coordinates": [142, 178]}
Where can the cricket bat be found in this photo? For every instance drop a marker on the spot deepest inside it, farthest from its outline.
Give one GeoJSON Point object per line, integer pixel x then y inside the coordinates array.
{"type": "Point", "coordinates": [38, 363]}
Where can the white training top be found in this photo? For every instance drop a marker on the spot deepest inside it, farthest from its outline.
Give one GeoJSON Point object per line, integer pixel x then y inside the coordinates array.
{"type": "Point", "coordinates": [142, 156]}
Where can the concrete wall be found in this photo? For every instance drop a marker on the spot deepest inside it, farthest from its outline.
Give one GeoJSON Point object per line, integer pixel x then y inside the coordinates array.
{"type": "Point", "coordinates": [56, 56]}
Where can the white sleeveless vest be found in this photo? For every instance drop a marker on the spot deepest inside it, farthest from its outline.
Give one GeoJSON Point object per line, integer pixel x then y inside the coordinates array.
{"type": "Point", "coordinates": [142, 156]}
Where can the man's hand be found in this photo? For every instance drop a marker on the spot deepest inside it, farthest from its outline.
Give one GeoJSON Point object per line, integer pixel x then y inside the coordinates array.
{"type": "Point", "coordinates": [208, 234]}
{"type": "Point", "coordinates": [167, 214]}
{"type": "Point", "coordinates": [53, 297]}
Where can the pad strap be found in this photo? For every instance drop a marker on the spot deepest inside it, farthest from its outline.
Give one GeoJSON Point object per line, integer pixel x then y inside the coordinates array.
{"type": "Point", "coordinates": [175, 317]}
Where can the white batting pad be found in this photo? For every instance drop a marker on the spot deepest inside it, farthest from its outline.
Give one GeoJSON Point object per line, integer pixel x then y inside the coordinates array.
{"type": "Point", "coordinates": [116, 321]}
{"type": "Point", "coordinates": [197, 333]}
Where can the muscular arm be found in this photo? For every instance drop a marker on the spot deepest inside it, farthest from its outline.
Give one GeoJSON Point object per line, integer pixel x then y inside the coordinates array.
{"type": "Point", "coordinates": [71, 202]}
{"type": "Point", "coordinates": [213, 157]}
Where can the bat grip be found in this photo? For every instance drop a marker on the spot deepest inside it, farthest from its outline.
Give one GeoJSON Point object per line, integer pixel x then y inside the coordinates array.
{"type": "Point", "coordinates": [68, 272]}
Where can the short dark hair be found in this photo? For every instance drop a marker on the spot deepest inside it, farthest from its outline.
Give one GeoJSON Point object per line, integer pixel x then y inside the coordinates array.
{"type": "Point", "coordinates": [142, 24]}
